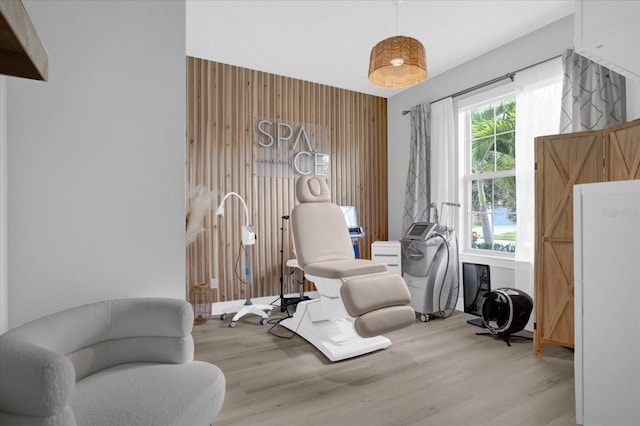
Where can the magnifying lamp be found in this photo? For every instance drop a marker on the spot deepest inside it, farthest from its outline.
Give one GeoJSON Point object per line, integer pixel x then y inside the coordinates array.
{"type": "Point", "coordinates": [248, 232]}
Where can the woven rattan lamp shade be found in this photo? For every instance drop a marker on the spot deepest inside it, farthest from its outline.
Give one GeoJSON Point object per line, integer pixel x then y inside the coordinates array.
{"type": "Point", "coordinates": [397, 61]}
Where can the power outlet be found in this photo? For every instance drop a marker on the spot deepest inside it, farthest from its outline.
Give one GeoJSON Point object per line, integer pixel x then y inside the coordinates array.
{"type": "Point", "coordinates": [214, 283]}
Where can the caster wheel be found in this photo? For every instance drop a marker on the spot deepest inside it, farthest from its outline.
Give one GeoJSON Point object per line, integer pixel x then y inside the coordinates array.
{"type": "Point", "coordinates": [268, 313]}
{"type": "Point", "coordinates": [233, 324]}
{"type": "Point", "coordinates": [263, 321]}
{"type": "Point", "coordinates": [424, 317]}
{"type": "Point", "coordinates": [223, 316]}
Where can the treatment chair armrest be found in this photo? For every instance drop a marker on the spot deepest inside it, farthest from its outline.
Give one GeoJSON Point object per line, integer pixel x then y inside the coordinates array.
{"type": "Point", "coordinates": [36, 382]}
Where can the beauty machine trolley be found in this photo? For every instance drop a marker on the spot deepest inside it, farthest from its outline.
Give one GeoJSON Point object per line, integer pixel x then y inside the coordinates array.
{"type": "Point", "coordinates": [430, 264]}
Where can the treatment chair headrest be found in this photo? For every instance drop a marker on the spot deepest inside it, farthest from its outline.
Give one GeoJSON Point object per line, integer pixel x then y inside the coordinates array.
{"type": "Point", "coordinates": [312, 189]}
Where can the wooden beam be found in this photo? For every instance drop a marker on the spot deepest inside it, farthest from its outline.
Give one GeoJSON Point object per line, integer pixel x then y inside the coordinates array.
{"type": "Point", "coordinates": [22, 53]}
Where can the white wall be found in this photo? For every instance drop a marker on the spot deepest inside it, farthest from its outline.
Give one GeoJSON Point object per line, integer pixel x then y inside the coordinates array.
{"type": "Point", "coordinates": [96, 158]}
{"type": "Point", "coordinates": [540, 45]}
{"type": "Point", "coordinates": [4, 240]}
{"type": "Point", "coordinates": [545, 43]}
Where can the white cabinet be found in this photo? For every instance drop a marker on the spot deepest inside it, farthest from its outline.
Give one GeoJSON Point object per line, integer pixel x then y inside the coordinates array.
{"type": "Point", "coordinates": [607, 296]}
{"type": "Point", "coordinates": [607, 32]}
{"type": "Point", "coordinates": [388, 252]}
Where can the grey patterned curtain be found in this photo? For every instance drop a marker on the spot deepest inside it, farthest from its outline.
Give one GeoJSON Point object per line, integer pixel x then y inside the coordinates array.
{"type": "Point", "coordinates": [418, 192]}
{"type": "Point", "coordinates": [593, 96]}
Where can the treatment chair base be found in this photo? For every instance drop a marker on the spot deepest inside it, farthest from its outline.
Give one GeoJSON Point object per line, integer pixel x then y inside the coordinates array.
{"type": "Point", "coordinates": [335, 338]}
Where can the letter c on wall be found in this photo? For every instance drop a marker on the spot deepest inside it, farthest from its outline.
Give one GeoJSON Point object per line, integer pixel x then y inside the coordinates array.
{"type": "Point", "coordinates": [296, 164]}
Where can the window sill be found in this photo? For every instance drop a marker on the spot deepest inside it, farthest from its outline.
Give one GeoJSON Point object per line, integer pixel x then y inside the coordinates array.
{"type": "Point", "coordinates": [507, 262]}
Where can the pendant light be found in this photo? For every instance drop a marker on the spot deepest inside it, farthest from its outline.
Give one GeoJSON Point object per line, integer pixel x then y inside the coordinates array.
{"type": "Point", "coordinates": [397, 61]}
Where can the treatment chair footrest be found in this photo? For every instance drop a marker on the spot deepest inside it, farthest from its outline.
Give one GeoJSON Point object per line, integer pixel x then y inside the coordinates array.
{"type": "Point", "coordinates": [378, 302]}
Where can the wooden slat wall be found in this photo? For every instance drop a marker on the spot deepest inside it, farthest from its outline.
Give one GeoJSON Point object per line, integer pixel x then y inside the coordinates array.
{"type": "Point", "coordinates": [223, 103]}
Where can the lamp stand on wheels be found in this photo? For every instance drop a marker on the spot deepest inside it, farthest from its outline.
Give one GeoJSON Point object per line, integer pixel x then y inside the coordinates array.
{"type": "Point", "coordinates": [249, 307]}
{"type": "Point", "coordinates": [248, 240]}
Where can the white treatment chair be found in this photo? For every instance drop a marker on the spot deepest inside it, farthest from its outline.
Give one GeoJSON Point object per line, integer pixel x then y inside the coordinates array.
{"type": "Point", "coordinates": [359, 300]}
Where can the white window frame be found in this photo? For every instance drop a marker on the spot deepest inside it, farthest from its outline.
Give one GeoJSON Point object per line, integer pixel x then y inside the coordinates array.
{"type": "Point", "coordinates": [462, 107]}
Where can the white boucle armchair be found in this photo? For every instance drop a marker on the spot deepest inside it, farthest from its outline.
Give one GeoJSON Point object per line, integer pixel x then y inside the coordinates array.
{"type": "Point", "coordinates": [120, 362]}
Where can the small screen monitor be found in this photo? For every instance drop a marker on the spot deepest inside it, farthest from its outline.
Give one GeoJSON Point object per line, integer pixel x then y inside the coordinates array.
{"type": "Point", "coordinates": [476, 282]}
{"type": "Point", "coordinates": [350, 216]}
{"type": "Point", "coordinates": [418, 229]}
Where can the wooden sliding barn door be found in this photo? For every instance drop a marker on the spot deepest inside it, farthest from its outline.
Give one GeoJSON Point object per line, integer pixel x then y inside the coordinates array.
{"type": "Point", "coordinates": [622, 151]}
{"type": "Point", "coordinates": [561, 162]}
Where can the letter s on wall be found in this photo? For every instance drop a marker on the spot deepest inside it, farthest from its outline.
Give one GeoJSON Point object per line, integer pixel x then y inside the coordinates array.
{"type": "Point", "coordinates": [261, 130]}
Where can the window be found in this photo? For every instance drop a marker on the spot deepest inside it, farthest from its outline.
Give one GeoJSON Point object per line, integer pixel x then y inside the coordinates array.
{"type": "Point", "coordinates": [491, 174]}
{"type": "Point", "coordinates": [496, 133]}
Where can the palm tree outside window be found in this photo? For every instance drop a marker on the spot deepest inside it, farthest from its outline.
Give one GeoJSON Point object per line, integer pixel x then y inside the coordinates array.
{"type": "Point", "coordinates": [492, 175]}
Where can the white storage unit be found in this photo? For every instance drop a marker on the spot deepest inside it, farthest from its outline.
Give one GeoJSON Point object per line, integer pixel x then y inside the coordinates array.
{"type": "Point", "coordinates": [388, 252]}
{"type": "Point", "coordinates": [607, 295]}
{"type": "Point", "coordinates": [606, 31]}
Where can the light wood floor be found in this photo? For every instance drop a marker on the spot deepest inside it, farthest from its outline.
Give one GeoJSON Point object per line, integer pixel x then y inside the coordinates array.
{"type": "Point", "coordinates": [435, 373]}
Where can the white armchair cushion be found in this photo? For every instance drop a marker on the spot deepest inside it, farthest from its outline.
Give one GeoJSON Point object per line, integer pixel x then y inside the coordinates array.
{"type": "Point", "coordinates": [99, 399]}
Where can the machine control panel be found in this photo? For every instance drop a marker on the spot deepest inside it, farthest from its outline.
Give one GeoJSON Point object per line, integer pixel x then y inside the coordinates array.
{"type": "Point", "coordinates": [440, 229]}
{"type": "Point", "coordinates": [356, 232]}
{"type": "Point", "coordinates": [424, 230]}
{"type": "Point", "coordinates": [420, 230]}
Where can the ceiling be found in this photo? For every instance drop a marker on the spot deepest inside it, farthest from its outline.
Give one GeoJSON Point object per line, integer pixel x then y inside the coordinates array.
{"type": "Point", "coordinates": [329, 42]}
